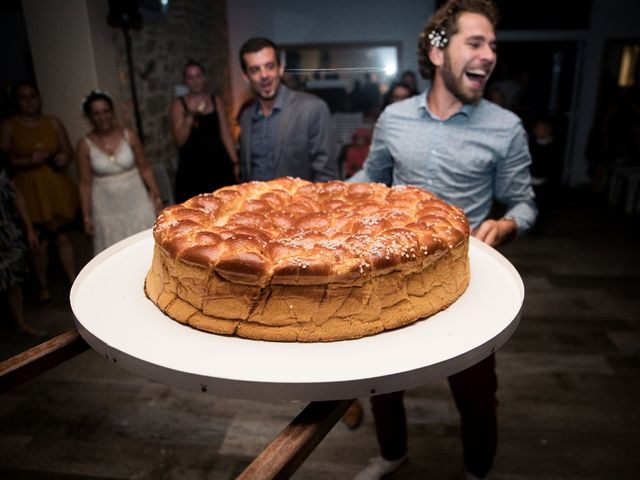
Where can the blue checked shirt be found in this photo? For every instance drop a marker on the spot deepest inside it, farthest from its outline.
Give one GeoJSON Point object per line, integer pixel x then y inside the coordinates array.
{"type": "Point", "coordinates": [478, 154]}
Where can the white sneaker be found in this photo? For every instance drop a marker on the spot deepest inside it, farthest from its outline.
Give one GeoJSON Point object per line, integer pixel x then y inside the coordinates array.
{"type": "Point", "coordinates": [378, 467]}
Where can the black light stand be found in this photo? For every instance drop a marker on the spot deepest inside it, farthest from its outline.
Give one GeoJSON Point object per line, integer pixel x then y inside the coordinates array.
{"type": "Point", "coordinates": [124, 14]}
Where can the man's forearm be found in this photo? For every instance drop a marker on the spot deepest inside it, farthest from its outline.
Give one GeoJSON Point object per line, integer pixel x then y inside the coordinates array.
{"type": "Point", "coordinates": [524, 214]}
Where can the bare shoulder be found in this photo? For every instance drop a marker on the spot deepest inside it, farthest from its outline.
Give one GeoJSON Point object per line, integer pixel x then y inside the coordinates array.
{"type": "Point", "coordinates": [131, 136]}
{"type": "Point", "coordinates": [177, 105]}
{"type": "Point", "coordinates": [57, 123]}
{"type": "Point", "coordinates": [81, 145]}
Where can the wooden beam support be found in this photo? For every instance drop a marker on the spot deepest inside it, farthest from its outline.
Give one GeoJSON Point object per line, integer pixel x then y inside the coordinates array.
{"type": "Point", "coordinates": [284, 455]}
{"type": "Point", "coordinates": [279, 460]}
{"type": "Point", "coordinates": [43, 357]}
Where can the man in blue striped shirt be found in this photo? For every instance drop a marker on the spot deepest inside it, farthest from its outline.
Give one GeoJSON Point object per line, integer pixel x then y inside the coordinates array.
{"type": "Point", "coordinates": [469, 152]}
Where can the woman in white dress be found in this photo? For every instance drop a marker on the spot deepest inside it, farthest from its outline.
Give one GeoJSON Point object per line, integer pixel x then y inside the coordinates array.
{"type": "Point", "coordinates": [113, 172]}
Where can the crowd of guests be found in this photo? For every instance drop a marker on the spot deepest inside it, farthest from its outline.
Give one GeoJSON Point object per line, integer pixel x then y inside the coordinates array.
{"type": "Point", "coordinates": [39, 200]}
{"type": "Point", "coordinates": [285, 132]}
{"type": "Point", "coordinates": [115, 193]}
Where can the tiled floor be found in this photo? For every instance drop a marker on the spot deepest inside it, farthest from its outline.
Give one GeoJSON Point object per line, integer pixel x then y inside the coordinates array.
{"type": "Point", "coordinates": [569, 387]}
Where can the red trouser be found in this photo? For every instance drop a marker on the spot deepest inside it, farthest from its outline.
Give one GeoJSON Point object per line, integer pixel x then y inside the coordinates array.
{"type": "Point", "coordinates": [474, 391]}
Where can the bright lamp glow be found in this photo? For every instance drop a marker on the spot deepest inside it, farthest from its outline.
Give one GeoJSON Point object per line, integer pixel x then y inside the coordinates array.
{"type": "Point", "coordinates": [390, 69]}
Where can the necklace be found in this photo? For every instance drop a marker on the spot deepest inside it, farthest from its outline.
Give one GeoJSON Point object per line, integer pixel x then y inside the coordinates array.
{"type": "Point", "coordinates": [108, 149]}
{"type": "Point", "coordinates": [200, 103]}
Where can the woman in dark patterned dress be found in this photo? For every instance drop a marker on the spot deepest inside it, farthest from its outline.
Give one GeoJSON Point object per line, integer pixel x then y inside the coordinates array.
{"type": "Point", "coordinates": [13, 269]}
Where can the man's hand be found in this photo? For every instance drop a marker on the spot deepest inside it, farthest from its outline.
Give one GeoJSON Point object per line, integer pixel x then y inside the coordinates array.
{"type": "Point", "coordinates": [495, 232]}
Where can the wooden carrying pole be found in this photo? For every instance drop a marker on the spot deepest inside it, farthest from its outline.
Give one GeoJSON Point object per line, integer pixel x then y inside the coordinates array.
{"type": "Point", "coordinates": [23, 367]}
{"type": "Point", "coordinates": [279, 460]}
{"type": "Point", "coordinates": [284, 455]}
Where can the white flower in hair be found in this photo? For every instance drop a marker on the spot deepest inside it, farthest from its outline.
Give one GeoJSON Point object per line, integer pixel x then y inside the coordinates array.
{"type": "Point", "coordinates": [437, 38]}
{"type": "Point", "coordinates": [97, 91]}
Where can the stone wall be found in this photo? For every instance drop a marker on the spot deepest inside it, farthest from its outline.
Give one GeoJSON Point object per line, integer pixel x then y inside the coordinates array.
{"type": "Point", "coordinates": [191, 29]}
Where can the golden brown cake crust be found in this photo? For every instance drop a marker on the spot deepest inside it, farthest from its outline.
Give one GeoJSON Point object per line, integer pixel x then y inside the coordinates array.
{"type": "Point", "coordinates": [290, 260]}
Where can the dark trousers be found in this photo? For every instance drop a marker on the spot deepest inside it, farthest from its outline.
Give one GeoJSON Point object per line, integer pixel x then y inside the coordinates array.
{"type": "Point", "coordinates": [474, 391]}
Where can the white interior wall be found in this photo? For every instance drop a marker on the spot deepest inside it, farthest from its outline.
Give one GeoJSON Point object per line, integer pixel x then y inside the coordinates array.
{"type": "Point", "coordinates": [63, 57]}
{"type": "Point", "coordinates": [73, 52]}
{"type": "Point", "coordinates": [105, 54]}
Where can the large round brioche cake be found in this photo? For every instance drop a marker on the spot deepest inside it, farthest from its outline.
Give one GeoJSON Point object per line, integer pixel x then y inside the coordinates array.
{"type": "Point", "coordinates": [290, 260]}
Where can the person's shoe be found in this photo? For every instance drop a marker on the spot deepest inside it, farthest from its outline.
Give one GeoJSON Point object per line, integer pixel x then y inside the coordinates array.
{"type": "Point", "coordinates": [352, 418]}
{"type": "Point", "coordinates": [379, 467]}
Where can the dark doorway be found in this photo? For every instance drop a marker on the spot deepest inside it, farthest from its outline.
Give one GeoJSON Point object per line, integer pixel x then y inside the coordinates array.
{"type": "Point", "coordinates": [537, 81]}
{"type": "Point", "coordinates": [15, 53]}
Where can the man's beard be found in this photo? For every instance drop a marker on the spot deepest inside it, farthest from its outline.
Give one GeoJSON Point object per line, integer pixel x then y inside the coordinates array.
{"type": "Point", "coordinates": [268, 97]}
{"type": "Point", "coordinates": [454, 85]}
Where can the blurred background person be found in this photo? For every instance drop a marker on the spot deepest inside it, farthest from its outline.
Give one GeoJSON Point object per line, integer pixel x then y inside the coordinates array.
{"type": "Point", "coordinates": [614, 140]}
{"type": "Point", "coordinates": [510, 88]}
{"type": "Point", "coordinates": [14, 225]}
{"type": "Point", "coordinates": [546, 165]}
{"type": "Point", "coordinates": [397, 91]}
{"type": "Point", "coordinates": [39, 152]}
{"type": "Point", "coordinates": [495, 95]}
{"type": "Point", "coordinates": [410, 79]}
{"type": "Point", "coordinates": [113, 172]}
{"type": "Point", "coordinates": [357, 152]}
{"type": "Point", "coordinates": [207, 156]}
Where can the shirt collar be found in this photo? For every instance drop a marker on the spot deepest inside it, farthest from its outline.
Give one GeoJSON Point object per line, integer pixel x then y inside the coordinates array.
{"type": "Point", "coordinates": [278, 104]}
{"type": "Point", "coordinates": [466, 110]}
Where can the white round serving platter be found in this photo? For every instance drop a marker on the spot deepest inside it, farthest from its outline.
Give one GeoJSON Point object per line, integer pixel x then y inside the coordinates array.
{"type": "Point", "coordinates": [115, 317]}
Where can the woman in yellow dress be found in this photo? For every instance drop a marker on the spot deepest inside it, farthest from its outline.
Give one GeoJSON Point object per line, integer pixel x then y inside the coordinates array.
{"type": "Point", "coordinates": [39, 152]}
